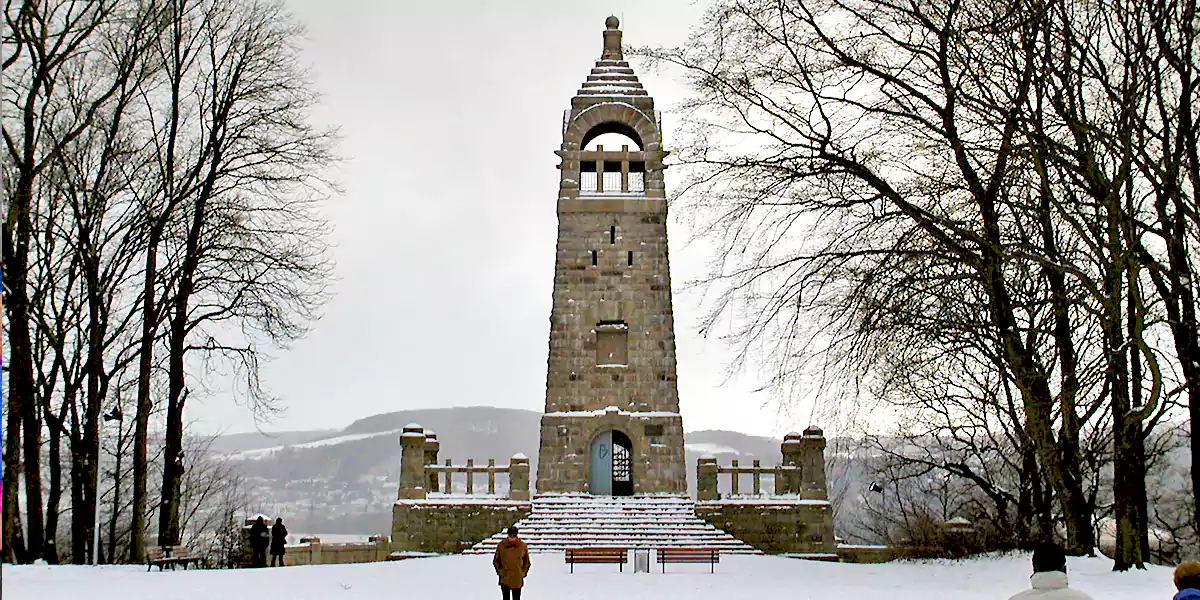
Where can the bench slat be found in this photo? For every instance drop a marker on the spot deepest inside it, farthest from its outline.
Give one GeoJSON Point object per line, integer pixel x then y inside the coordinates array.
{"type": "Point", "coordinates": [597, 556]}
{"type": "Point", "coordinates": [689, 555]}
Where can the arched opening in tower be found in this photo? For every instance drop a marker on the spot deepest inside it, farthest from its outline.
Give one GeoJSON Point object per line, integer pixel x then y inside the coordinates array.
{"type": "Point", "coordinates": [612, 162]}
{"type": "Point", "coordinates": [610, 465]}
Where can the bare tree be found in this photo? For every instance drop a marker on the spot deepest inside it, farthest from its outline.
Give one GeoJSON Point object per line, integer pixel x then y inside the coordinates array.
{"type": "Point", "coordinates": [173, 131]}
{"type": "Point", "coordinates": [51, 45]}
{"type": "Point", "coordinates": [851, 144]}
{"type": "Point", "coordinates": [247, 242]}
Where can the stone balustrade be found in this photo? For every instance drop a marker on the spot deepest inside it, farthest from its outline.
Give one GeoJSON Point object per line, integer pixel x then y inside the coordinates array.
{"type": "Point", "coordinates": [801, 474]}
{"type": "Point", "coordinates": [709, 472]}
{"type": "Point", "coordinates": [420, 474]}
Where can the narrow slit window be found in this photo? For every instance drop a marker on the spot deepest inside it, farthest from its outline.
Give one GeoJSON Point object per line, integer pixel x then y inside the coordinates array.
{"type": "Point", "coordinates": [630, 258]}
{"type": "Point", "coordinates": [593, 253]}
{"type": "Point", "coordinates": [612, 234]}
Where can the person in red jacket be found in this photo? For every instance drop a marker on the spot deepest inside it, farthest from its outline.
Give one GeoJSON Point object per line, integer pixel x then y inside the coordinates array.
{"type": "Point", "coordinates": [512, 565]}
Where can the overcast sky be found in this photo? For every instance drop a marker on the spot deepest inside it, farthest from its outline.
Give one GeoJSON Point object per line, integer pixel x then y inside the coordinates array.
{"type": "Point", "coordinates": [450, 111]}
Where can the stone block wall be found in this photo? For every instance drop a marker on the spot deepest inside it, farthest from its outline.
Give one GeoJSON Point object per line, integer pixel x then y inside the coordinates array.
{"type": "Point", "coordinates": [446, 526]}
{"type": "Point", "coordinates": [867, 554]}
{"type": "Point", "coordinates": [658, 461]}
{"type": "Point", "coordinates": [774, 526]}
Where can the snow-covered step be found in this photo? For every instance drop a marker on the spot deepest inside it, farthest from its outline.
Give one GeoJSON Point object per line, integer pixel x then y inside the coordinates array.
{"type": "Point", "coordinates": [574, 520]}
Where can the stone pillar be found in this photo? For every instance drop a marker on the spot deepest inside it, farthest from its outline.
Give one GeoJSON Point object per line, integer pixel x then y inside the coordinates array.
{"type": "Point", "coordinates": [412, 462]}
{"type": "Point", "coordinates": [431, 457]}
{"type": "Point", "coordinates": [518, 477]}
{"type": "Point", "coordinates": [612, 41]}
{"type": "Point", "coordinates": [792, 457]}
{"type": "Point", "coordinates": [383, 547]}
{"type": "Point", "coordinates": [812, 459]}
{"type": "Point", "coordinates": [706, 479]}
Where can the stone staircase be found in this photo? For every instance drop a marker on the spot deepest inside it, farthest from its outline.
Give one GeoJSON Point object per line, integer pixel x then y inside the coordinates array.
{"type": "Point", "coordinates": [561, 521]}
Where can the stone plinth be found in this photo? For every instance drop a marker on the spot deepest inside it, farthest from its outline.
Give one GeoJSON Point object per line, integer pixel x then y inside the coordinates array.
{"type": "Point", "coordinates": [518, 477]}
{"type": "Point", "coordinates": [453, 524]}
{"type": "Point", "coordinates": [706, 479]}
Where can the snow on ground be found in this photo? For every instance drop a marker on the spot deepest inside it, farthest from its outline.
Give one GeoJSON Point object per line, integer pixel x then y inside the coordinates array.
{"type": "Point", "coordinates": [471, 577]}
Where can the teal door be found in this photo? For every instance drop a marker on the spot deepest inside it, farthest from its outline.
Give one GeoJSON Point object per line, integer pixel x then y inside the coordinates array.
{"type": "Point", "coordinates": [600, 463]}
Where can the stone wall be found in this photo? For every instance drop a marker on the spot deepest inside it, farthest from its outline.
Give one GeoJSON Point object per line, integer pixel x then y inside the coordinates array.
{"type": "Point", "coordinates": [774, 525]}
{"type": "Point", "coordinates": [317, 553]}
{"type": "Point", "coordinates": [866, 554]}
{"type": "Point", "coordinates": [657, 460]}
{"type": "Point", "coordinates": [449, 525]}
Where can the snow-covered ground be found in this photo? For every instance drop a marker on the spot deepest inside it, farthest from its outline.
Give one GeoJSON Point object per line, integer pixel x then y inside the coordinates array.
{"type": "Point", "coordinates": [470, 577]}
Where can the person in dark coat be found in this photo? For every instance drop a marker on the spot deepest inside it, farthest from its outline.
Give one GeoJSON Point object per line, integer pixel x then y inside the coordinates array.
{"type": "Point", "coordinates": [260, 538]}
{"type": "Point", "coordinates": [1187, 580]}
{"type": "Point", "coordinates": [512, 565]}
{"type": "Point", "coordinates": [278, 540]}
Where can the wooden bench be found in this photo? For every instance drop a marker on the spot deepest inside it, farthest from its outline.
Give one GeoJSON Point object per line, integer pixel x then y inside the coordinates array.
{"type": "Point", "coordinates": [689, 555]}
{"type": "Point", "coordinates": [597, 555]}
{"type": "Point", "coordinates": [169, 556]}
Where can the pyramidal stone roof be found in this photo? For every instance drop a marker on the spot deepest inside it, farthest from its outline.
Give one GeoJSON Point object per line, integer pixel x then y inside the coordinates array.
{"type": "Point", "coordinates": [612, 76]}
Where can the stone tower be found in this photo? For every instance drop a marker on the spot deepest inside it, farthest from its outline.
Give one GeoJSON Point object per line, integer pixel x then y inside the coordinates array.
{"type": "Point", "coordinates": [612, 423]}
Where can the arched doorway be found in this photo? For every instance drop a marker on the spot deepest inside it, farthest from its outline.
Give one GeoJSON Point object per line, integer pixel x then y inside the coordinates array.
{"type": "Point", "coordinates": [610, 465]}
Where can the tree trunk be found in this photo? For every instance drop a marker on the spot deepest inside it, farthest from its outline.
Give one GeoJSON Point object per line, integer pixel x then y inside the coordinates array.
{"type": "Point", "coordinates": [1032, 380]}
{"type": "Point", "coordinates": [21, 406]}
{"type": "Point", "coordinates": [1127, 470]}
{"type": "Point", "coordinates": [54, 494]}
{"type": "Point", "coordinates": [81, 501]}
{"type": "Point", "coordinates": [141, 472]}
{"type": "Point", "coordinates": [34, 515]}
{"type": "Point", "coordinates": [168, 517]}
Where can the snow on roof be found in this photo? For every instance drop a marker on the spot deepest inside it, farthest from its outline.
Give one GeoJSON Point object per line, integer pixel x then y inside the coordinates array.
{"type": "Point", "coordinates": [611, 78]}
{"type": "Point", "coordinates": [640, 414]}
{"type": "Point", "coordinates": [771, 501]}
{"type": "Point", "coordinates": [443, 499]}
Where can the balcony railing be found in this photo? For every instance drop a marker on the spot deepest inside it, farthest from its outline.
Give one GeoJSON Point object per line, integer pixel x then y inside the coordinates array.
{"type": "Point", "coordinates": [602, 172]}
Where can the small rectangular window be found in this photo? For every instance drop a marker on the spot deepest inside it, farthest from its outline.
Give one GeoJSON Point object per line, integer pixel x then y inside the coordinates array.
{"type": "Point", "coordinates": [612, 344]}
{"type": "Point", "coordinates": [630, 257]}
{"type": "Point", "coordinates": [593, 253]}
{"type": "Point", "coordinates": [654, 430]}
{"type": "Point", "coordinates": [612, 234]}
{"type": "Point", "coordinates": [612, 348]}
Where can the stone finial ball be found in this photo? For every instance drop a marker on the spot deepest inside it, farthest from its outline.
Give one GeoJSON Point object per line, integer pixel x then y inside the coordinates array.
{"type": "Point", "coordinates": [612, 22]}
